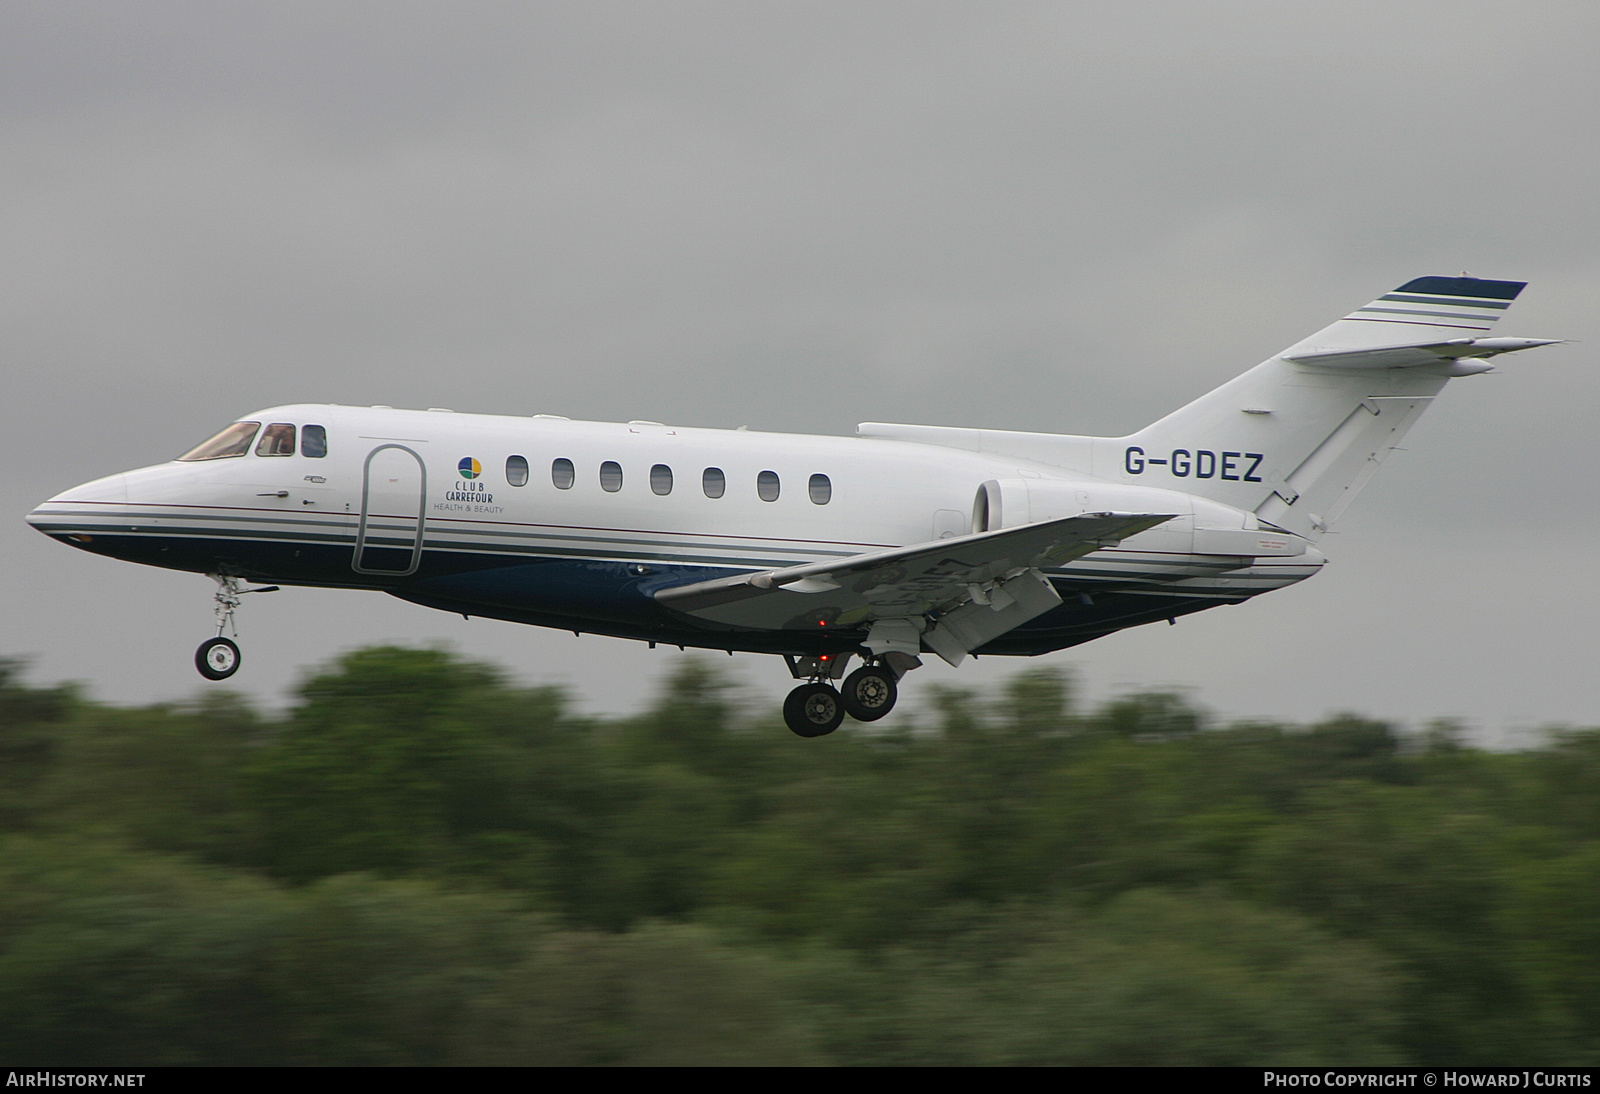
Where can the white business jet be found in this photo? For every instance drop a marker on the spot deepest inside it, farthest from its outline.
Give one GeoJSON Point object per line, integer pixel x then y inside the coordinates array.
{"type": "Point", "coordinates": [901, 541]}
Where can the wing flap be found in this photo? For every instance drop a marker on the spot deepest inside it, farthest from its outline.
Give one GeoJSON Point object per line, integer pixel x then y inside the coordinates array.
{"type": "Point", "coordinates": [1010, 604]}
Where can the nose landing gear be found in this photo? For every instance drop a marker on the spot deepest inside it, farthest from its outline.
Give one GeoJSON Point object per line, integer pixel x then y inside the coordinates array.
{"type": "Point", "coordinates": [219, 658]}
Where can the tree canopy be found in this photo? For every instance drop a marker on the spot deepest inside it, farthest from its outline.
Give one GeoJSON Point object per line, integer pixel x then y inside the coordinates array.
{"type": "Point", "coordinates": [420, 862]}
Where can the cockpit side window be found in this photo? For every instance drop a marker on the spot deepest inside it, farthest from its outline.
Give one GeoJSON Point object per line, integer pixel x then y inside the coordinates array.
{"type": "Point", "coordinates": [314, 442]}
{"type": "Point", "coordinates": [233, 441]}
{"type": "Point", "coordinates": [276, 440]}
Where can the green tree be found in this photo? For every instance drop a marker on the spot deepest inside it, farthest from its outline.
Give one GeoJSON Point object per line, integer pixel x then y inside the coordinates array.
{"type": "Point", "coordinates": [374, 765]}
{"type": "Point", "coordinates": [167, 777]}
{"type": "Point", "coordinates": [1400, 867]}
{"type": "Point", "coordinates": [31, 730]}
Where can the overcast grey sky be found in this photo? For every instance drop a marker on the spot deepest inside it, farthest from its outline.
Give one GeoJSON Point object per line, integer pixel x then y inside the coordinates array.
{"type": "Point", "coordinates": [1068, 217]}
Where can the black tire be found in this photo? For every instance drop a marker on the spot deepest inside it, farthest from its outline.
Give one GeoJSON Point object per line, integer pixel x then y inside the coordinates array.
{"type": "Point", "coordinates": [217, 658]}
{"type": "Point", "coordinates": [813, 710]}
{"type": "Point", "coordinates": [869, 693]}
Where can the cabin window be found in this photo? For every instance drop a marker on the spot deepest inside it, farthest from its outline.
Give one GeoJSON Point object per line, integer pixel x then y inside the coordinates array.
{"type": "Point", "coordinates": [821, 489]}
{"type": "Point", "coordinates": [314, 442]}
{"type": "Point", "coordinates": [611, 476]}
{"type": "Point", "coordinates": [517, 470]}
{"type": "Point", "coordinates": [276, 440]}
{"type": "Point", "coordinates": [233, 441]}
{"type": "Point", "coordinates": [562, 475]}
{"type": "Point", "coordinates": [714, 482]}
{"type": "Point", "coordinates": [767, 486]}
{"type": "Point", "coordinates": [661, 479]}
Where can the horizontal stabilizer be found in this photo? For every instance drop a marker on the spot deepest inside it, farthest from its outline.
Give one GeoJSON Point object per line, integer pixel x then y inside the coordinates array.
{"type": "Point", "coordinates": [903, 582]}
{"type": "Point", "coordinates": [1412, 354]}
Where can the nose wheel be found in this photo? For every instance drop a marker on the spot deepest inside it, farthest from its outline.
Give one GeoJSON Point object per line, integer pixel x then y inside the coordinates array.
{"type": "Point", "coordinates": [218, 658]}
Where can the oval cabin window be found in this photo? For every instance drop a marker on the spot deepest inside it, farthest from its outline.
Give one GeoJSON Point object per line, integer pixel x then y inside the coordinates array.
{"type": "Point", "coordinates": [714, 482]}
{"type": "Point", "coordinates": [611, 476]}
{"type": "Point", "coordinates": [517, 470]}
{"type": "Point", "coordinates": [821, 490]}
{"type": "Point", "coordinates": [661, 479]}
{"type": "Point", "coordinates": [562, 475]}
{"type": "Point", "coordinates": [767, 486]}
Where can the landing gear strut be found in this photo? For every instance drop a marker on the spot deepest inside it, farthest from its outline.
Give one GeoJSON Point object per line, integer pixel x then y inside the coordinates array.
{"type": "Point", "coordinates": [219, 658]}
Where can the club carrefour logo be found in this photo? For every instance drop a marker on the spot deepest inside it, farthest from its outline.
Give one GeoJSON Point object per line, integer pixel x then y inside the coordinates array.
{"type": "Point", "coordinates": [467, 489]}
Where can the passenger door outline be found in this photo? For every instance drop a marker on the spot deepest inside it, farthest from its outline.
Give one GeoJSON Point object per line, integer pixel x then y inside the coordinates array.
{"type": "Point", "coordinates": [357, 561]}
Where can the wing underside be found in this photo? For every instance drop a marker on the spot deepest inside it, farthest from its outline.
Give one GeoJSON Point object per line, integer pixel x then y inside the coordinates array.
{"type": "Point", "coordinates": [952, 595]}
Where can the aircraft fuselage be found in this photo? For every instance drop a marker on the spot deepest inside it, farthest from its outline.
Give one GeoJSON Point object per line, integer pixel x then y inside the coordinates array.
{"type": "Point", "coordinates": [577, 525]}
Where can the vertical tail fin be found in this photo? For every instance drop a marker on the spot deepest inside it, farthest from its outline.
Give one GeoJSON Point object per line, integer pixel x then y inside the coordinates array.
{"type": "Point", "coordinates": [1430, 309]}
{"type": "Point", "coordinates": [1298, 436]}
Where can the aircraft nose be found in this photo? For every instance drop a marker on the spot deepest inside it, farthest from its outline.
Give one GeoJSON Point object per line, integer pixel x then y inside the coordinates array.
{"type": "Point", "coordinates": [69, 511]}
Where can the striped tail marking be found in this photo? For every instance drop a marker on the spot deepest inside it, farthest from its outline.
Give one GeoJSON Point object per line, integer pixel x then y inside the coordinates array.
{"type": "Point", "coordinates": [1466, 303]}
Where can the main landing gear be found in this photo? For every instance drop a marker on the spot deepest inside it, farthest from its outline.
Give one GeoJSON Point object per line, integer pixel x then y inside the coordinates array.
{"type": "Point", "coordinates": [813, 710]}
{"type": "Point", "coordinates": [218, 658]}
{"type": "Point", "coordinates": [816, 709]}
{"type": "Point", "coordinates": [869, 693]}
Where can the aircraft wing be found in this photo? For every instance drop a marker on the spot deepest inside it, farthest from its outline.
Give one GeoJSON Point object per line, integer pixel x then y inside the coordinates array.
{"type": "Point", "coordinates": [989, 571]}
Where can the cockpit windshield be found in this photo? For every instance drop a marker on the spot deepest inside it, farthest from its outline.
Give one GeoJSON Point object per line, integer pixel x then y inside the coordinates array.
{"type": "Point", "coordinates": [233, 441]}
